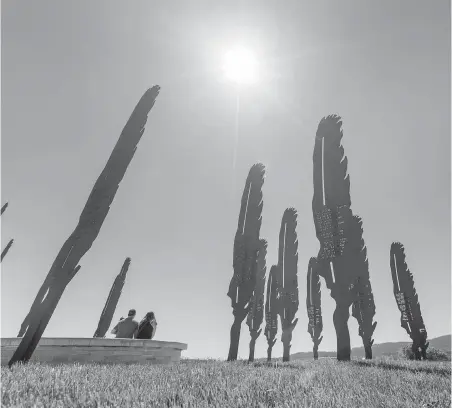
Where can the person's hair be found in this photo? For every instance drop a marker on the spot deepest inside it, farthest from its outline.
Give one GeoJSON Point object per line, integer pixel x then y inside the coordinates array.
{"type": "Point", "coordinates": [147, 318]}
{"type": "Point", "coordinates": [132, 312]}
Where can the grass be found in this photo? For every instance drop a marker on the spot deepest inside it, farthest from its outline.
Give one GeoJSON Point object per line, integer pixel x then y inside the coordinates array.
{"type": "Point", "coordinates": [191, 383]}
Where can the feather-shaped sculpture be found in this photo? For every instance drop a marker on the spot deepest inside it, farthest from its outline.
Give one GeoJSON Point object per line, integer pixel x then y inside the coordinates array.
{"type": "Point", "coordinates": [314, 306]}
{"type": "Point", "coordinates": [6, 249]}
{"type": "Point", "coordinates": [112, 301]}
{"type": "Point", "coordinates": [331, 201]}
{"type": "Point", "coordinates": [246, 248]}
{"type": "Point", "coordinates": [90, 222]}
{"type": "Point", "coordinates": [271, 310]}
{"type": "Point", "coordinates": [407, 300]}
{"type": "Point", "coordinates": [256, 312]}
{"type": "Point", "coordinates": [363, 307]}
{"type": "Point", "coordinates": [287, 270]}
{"type": "Point", "coordinates": [333, 218]}
{"type": "Point", "coordinates": [4, 207]}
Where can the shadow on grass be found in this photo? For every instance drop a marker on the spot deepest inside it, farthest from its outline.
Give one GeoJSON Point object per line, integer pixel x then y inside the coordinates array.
{"type": "Point", "coordinates": [277, 364]}
{"type": "Point", "coordinates": [272, 364]}
{"type": "Point", "coordinates": [442, 371]}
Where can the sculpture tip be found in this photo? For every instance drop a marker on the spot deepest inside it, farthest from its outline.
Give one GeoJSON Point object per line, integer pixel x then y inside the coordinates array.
{"type": "Point", "coordinates": [329, 125]}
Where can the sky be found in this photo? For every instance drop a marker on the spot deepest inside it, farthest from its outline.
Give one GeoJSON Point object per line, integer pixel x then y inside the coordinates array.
{"type": "Point", "coordinates": [72, 72]}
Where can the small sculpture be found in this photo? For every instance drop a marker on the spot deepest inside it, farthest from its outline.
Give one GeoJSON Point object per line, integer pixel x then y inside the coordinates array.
{"type": "Point", "coordinates": [112, 301]}
{"type": "Point", "coordinates": [407, 301]}
{"type": "Point", "coordinates": [363, 307]}
{"type": "Point", "coordinates": [287, 276]}
{"type": "Point", "coordinates": [314, 306]}
{"type": "Point", "coordinates": [256, 313]}
{"type": "Point", "coordinates": [271, 310]}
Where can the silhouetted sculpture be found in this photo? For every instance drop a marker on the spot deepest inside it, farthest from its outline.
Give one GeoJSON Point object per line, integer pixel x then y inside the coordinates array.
{"type": "Point", "coordinates": [332, 218]}
{"type": "Point", "coordinates": [407, 301]}
{"type": "Point", "coordinates": [7, 247]}
{"type": "Point", "coordinates": [91, 219]}
{"type": "Point", "coordinates": [5, 206]}
{"type": "Point", "coordinates": [271, 310]}
{"type": "Point", "coordinates": [246, 248]}
{"type": "Point", "coordinates": [287, 271]}
{"type": "Point", "coordinates": [363, 307]}
{"type": "Point", "coordinates": [112, 301]}
{"type": "Point", "coordinates": [256, 313]}
{"type": "Point", "coordinates": [10, 243]}
{"type": "Point", "coordinates": [314, 307]}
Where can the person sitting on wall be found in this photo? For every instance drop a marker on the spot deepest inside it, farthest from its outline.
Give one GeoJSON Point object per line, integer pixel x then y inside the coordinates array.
{"type": "Point", "coordinates": [126, 328]}
{"type": "Point", "coordinates": [147, 327]}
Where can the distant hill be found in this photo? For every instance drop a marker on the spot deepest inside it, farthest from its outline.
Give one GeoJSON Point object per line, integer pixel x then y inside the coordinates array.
{"type": "Point", "coordinates": [378, 350]}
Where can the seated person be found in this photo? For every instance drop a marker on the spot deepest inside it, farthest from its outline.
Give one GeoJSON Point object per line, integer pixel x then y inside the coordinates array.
{"type": "Point", "coordinates": [126, 328]}
{"type": "Point", "coordinates": [147, 327]}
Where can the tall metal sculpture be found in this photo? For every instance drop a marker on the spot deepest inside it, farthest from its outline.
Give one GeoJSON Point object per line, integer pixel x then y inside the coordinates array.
{"type": "Point", "coordinates": [332, 218]}
{"type": "Point", "coordinates": [363, 307]}
{"type": "Point", "coordinates": [112, 301]}
{"type": "Point", "coordinates": [246, 248]}
{"type": "Point", "coordinates": [407, 301]}
{"type": "Point", "coordinates": [256, 312]}
{"type": "Point", "coordinates": [314, 307]}
{"type": "Point", "coordinates": [271, 310]}
{"type": "Point", "coordinates": [287, 271]}
{"type": "Point", "coordinates": [91, 219]}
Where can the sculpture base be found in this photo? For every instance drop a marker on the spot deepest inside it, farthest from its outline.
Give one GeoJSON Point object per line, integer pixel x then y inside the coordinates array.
{"type": "Point", "coordinates": [54, 350]}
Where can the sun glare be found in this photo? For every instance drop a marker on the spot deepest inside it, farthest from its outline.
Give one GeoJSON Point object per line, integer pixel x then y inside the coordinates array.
{"type": "Point", "coordinates": [240, 66]}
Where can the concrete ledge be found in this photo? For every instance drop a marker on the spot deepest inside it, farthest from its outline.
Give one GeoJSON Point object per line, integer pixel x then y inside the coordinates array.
{"type": "Point", "coordinates": [54, 350]}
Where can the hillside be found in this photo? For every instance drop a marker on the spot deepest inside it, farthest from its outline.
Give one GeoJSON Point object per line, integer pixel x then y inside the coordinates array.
{"type": "Point", "coordinates": [378, 350]}
{"type": "Point", "coordinates": [323, 383]}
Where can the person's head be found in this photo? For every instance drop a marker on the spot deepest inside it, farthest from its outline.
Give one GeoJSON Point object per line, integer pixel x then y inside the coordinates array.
{"type": "Point", "coordinates": [132, 313]}
{"type": "Point", "coordinates": [150, 315]}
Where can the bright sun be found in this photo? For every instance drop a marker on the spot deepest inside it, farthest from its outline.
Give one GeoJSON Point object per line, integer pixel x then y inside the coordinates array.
{"type": "Point", "coordinates": [240, 66]}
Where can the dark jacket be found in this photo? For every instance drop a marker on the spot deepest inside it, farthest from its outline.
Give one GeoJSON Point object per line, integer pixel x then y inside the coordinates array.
{"type": "Point", "coordinates": [146, 330]}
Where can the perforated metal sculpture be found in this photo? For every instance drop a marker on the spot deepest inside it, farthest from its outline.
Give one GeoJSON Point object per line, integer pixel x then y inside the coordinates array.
{"type": "Point", "coordinates": [314, 307]}
{"type": "Point", "coordinates": [246, 248]}
{"type": "Point", "coordinates": [271, 310]}
{"type": "Point", "coordinates": [363, 307]}
{"type": "Point", "coordinates": [333, 218]}
{"type": "Point", "coordinates": [287, 271]}
{"type": "Point", "coordinates": [91, 219]}
{"type": "Point", "coordinates": [112, 301]}
{"type": "Point", "coordinates": [256, 313]}
{"type": "Point", "coordinates": [407, 301]}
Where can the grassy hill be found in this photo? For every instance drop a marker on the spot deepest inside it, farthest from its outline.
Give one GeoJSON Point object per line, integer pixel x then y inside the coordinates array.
{"type": "Point", "coordinates": [323, 383]}
{"type": "Point", "coordinates": [380, 350]}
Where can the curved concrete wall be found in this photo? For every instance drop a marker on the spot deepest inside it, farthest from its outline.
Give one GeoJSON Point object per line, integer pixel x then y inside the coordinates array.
{"type": "Point", "coordinates": [54, 350]}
